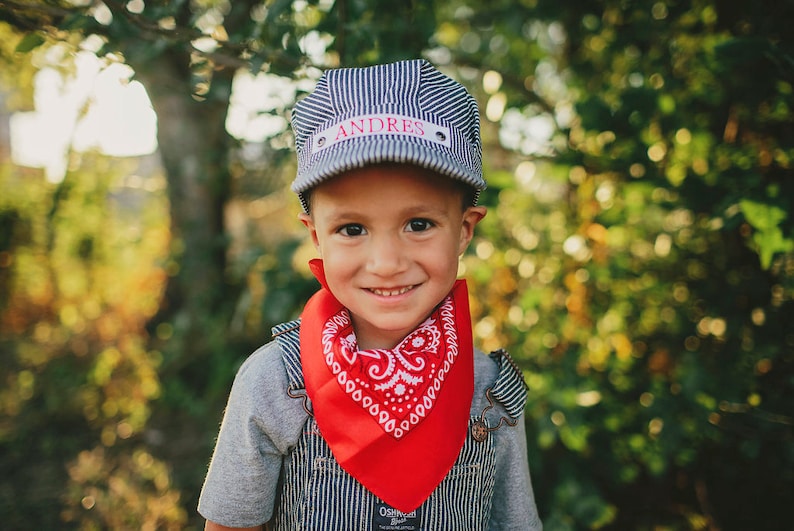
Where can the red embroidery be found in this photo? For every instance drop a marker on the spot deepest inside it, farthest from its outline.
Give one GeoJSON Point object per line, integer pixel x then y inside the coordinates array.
{"type": "Point", "coordinates": [397, 387]}
{"type": "Point", "coordinates": [379, 124]}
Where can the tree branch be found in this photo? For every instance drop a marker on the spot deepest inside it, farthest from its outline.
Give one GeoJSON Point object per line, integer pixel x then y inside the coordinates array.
{"type": "Point", "coordinates": [31, 17]}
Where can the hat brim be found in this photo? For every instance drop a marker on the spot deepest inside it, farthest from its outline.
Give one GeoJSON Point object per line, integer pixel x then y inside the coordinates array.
{"type": "Point", "coordinates": [358, 153]}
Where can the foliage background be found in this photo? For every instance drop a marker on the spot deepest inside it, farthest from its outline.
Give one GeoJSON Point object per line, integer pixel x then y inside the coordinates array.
{"type": "Point", "coordinates": [637, 258]}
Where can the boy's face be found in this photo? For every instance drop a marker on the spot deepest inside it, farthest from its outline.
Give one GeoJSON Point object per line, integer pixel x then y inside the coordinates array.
{"type": "Point", "coordinates": [390, 238]}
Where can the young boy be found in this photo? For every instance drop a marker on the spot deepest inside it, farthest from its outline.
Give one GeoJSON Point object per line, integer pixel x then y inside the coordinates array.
{"type": "Point", "coordinates": [373, 411]}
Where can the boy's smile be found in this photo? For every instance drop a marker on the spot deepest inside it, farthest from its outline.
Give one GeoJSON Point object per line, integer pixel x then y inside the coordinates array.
{"type": "Point", "coordinates": [390, 237]}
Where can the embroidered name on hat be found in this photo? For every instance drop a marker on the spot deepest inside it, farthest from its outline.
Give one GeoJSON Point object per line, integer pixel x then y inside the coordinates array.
{"type": "Point", "coordinates": [380, 125]}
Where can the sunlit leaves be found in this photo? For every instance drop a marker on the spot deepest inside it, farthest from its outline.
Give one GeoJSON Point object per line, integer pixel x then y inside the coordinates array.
{"type": "Point", "coordinates": [766, 220]}
{"type": "Point", "coordinates": [29, 42]}
{"type": "Point", "coordinates": [637, 258]}
{"type": "Point", "coordinates": [82, 267]}
{"type": "Point", "coordinates": [642, 290]}
{"type": "Point", "coordinates": [127, 491]}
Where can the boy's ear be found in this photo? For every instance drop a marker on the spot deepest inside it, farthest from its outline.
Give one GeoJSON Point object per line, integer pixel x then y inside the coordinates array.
{"type": "Point", "coordinates": [308, 222]}
{"type": "Point", "coordinates": [471, 216]}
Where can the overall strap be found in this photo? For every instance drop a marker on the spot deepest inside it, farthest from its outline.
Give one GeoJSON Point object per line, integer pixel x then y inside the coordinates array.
{"type": "Point", "coordinates": [287, 335]}
{"type": "Point", "coordinates": [509, 389]}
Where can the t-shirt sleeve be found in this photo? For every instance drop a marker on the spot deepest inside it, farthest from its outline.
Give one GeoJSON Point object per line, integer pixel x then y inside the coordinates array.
{"type": "Point", "coordinates": [259, 426]}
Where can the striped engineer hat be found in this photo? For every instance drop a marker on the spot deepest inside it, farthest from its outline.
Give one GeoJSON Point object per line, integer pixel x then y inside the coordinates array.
{"type": "Point", "coordinates": [404, 112]}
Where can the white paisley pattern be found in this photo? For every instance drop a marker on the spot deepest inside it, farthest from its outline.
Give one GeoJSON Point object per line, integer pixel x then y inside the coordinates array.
{"type": "Point", "coordinates": [398, 387]}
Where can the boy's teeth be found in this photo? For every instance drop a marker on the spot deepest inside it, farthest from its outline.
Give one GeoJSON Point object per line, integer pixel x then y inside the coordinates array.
{"type": "Point", "coordinates": [391, 292]}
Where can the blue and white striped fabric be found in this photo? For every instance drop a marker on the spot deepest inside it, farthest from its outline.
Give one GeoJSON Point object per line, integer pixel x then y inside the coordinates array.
{"type": "Point", "coordinates": [288, 337]}
{"type": "Point", "coordinates": [404, 112]}
{"type": "Point", "coordinates": [318, 494]}
{"type": "Point", "coordinates": [510, 389]}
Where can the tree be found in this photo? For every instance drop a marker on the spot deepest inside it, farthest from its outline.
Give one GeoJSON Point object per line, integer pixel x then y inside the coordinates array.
{"type": "Point", "coordinates": [655, 302]}
{"type": "Point", "coordinates": [189, 91]}
{"type": "Point", "coordinates": [186, 56]}
{"type": "Point", "coordinates": [636, 260]}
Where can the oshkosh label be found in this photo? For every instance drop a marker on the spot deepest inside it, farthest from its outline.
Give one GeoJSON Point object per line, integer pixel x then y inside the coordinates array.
{"type": "Point", "coordinates": [380, 124]}
{"type": "Point", "coordinates": [387, 518]}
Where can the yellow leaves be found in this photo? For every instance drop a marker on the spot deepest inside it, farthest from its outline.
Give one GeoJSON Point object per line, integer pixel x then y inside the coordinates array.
{"type": "Point", "coordinates": [655, 427]}
{"type": "Point", "coordinates": [122, 492]}
{"type": "Point", "coordinates": [108, 327]}
{"type": "Point", "coordinates": [495, 108]}
{"type": "Point", "coordinates": [70, 317]}
{"type": "Point", "coordinates": [126, 379]}
{"type": "Point", "coordinates": [588, 398]}
{"type": "Point", "coordinates": [715, 326]}
{"type": "Point", "coordinates": [219, 34]}
{"type": "Point", "coordinates": [622, 345]}
{"type": "Point", "coordinates": [597, 232]}
{"type": "Point", "coordinates": [576, 302]}
{"type": "Point", "coordinates": [600, 351]}
{"type": "Point", "coordinates": [106, 362]}
{"type": "Point", "coordinates": [596, 355]}
{"type": "Point", "coordinates": [754, 399]}
{"type": "Point", "coordinates": [25, 382]}
{"type": "Point", "coordinates": [491, 82]}
{"type": "Point", "coordinates": [448, 34]}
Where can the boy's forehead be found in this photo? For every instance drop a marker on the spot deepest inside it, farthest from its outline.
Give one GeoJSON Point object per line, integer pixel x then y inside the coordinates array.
{"type": "Point", "coordinates": [373, 177]}
{"type": "Point", "coordinates": [395, 181]}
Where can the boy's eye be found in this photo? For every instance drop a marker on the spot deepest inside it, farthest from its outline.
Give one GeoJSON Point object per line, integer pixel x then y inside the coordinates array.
{"type": "Point", "coordinates": [352, 229]}
{"type": "Point", "coordinates": [419, 225]}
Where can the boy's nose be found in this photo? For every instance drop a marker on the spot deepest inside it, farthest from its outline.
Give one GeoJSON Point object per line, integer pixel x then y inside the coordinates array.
{"type": "Point", "coordinates": [385, 257]}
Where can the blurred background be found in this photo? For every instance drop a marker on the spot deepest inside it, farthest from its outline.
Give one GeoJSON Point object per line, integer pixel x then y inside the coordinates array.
{"type": "Point", "coordinates": [637, 259]}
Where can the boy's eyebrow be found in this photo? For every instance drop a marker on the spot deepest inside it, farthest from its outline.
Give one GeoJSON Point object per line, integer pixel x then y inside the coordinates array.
{"type": "Point", "coordinates": [336, 215]}
{"type": "Point", "coordinates": [426, 210]}
{"type": "Point", "coordinates": [343, 213]}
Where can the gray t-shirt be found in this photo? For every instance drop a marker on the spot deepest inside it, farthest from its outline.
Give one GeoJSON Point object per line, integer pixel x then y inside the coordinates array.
{"type": "Point", "coordinates": [271, 464]}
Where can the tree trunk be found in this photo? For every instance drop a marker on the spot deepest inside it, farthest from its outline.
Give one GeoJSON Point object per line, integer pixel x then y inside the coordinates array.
{"type": "Point", "coordinates": [194, 146]}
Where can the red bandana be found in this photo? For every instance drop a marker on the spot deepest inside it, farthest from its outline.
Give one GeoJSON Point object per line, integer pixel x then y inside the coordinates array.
{"type": "Point", "coordinates": [395, 419]}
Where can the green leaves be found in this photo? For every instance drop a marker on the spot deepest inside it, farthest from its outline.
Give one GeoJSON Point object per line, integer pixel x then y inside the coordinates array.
{"type": "Point", "coordinates": [30, 42]}
{"type": "Point", "coordinates": [639, 267]}
{"type": "Point", "coordinates": [768, 236]}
